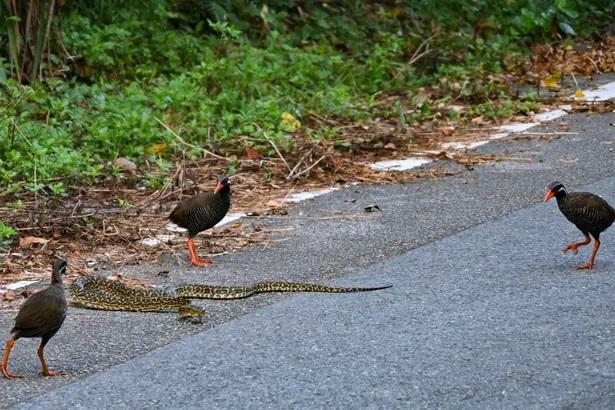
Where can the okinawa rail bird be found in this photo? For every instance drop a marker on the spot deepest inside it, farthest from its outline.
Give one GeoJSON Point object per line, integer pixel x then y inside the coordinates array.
{"type": "Point", "coordinates": [590, 213]}
{"type": "Point", "coordinates": [41, 316]}
{"type": "Point", "coordinates": [201, 212]}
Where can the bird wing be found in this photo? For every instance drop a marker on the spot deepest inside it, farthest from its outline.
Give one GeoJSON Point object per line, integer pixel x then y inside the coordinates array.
{"type": "Point", "coordinates": [181, 213]}
{"type": "Point", "coordinates": [590, 210]}
{"type": "Point", "coordinates": [200, 200]}
{"type": "Point", "coordinates": [41, 313]}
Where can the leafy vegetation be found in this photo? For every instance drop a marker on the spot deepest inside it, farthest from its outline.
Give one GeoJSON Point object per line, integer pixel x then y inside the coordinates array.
{"type": "Point", "coordinates": [6, 235]}
{"type": "Point", "coordinates": [98, 80]}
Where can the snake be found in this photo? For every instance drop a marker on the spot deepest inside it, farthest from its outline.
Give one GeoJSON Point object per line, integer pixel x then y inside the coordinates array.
{"type": "Point", "coordinates": [104, 294]}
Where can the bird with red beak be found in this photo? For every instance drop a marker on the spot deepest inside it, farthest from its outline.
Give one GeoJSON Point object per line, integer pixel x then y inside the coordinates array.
{"type": "Point", "coordinates": [588, 212]}
{"type": "Point", "coordinates": [201, 212]}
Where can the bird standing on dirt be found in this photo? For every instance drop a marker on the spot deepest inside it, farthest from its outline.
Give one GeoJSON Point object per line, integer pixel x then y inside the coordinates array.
{"type": "Point", "coordinates": [201, 212]}
{"type": "Point", "coordinates": [41, 316]}
{"type": "Point", "coordinates": [590, 213]}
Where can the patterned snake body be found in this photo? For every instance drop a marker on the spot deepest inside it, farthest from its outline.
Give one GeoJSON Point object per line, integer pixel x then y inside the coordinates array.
{"type": "Point", "coordinates": [104, 294]}
{"type": "Point", "coordinates": [198, 291]}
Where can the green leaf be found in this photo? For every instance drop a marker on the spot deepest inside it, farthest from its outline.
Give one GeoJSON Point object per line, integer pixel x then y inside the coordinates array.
{"type": "Point", "coordinates": [40, 37]}
{"type": "Point", "coordinates": [342, 144]}
{"type": "Point", "coordinates": [567, 7]}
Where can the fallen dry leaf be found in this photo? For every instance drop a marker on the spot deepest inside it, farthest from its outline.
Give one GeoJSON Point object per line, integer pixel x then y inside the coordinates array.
{"type": "Point", "coordinates": [157, 149]}
{"type": "Point", "coordinates": [252, 154]}
{"type": "Point", "coordinates": [272, 203]}
{"type": "Point", "coordinates": [9, 295]}
{"type": "Point", "coordinates": [447, 131]}
{"type": "Point", "coordinates": [28, 241]}
{"type": "Point", "coordinates": [552, 81]}
{"type": "Point", "coordinates": [126, 165]}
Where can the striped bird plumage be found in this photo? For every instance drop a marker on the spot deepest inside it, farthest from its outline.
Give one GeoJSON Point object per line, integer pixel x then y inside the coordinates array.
{"type": "Point", "coordinates": [588, 212]}
{"type": "Point", "coordinates": [200, 212]}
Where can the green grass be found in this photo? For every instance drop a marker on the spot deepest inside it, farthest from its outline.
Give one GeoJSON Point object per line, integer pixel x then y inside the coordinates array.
{"type": "Point", "coordinates": [229, 83]}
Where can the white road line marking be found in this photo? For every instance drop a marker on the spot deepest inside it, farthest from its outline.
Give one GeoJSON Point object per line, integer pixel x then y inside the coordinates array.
{"type": "Point", "coordinates": [602, 93]}
{"type": "Point", "coordinates": [16, 285]}
{"type": "Point", "coordinates": [400, 164]}
{"type": "Point", "coordinates": [302, 196]}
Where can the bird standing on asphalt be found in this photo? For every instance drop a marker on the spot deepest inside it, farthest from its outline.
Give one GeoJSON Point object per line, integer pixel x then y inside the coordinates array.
{"type": "Point", "coordinates": [201, 212]}
{"type": "Point", "coordinates": [41, 316]}
{"type": "Point", "coordinates": [590, 213]}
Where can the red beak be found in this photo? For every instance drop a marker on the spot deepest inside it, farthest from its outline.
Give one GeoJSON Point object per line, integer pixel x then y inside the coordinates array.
{"type": "Point", "coordinates": [219, 186]}
{"type": "Point", "coordinates": [549, 195]}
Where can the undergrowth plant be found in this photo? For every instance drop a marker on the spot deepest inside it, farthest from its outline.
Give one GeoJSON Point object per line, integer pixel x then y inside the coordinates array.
{"type": "Point", "coordinates": [229, 74]}
{"type": "Point", "coordinates": [6, 235]}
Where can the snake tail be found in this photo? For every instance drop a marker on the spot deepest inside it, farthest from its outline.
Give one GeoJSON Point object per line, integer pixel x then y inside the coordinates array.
{"type": "Point", "coordinates": [200, 291]}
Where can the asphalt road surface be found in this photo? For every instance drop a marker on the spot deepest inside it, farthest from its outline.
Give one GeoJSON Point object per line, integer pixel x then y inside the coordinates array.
{"type": "Point", "coordinates": [484, 311]}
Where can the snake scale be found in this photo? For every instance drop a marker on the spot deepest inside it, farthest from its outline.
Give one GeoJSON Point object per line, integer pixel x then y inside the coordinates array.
{"type": "Point", "coordinates": [105, 294]}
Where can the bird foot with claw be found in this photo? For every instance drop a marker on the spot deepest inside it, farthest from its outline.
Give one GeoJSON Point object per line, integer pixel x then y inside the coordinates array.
{"type": "Point", "coordinates": [587, 266]}
{"type": "Point", "coordinates": [572, 247]}
{"type": "Point", "coordinates": [10, 376]}
{"type": "Point", "coordinates": [201, 262]}
{"type": "Point", "coordinates": [49, 373]}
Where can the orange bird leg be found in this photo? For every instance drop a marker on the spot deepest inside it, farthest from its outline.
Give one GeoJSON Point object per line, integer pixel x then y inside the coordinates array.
{"type": "Point", "coordinates": [576, 245]}
{"type": "Point", "coordinates": [46, 371]}
{"type": "Point", "coordinates": [194, 259]}
{"type": "Point", "coordinates": [590, 262]}
{"type": "Point", "coordinates": [5, 360]}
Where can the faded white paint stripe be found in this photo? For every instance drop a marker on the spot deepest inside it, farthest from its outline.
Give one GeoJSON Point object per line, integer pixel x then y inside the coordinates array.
{"type": "Point", "coordinates": [550, 115]}
{"type": "Point", "coordinates": [602, 93]}
{"type": "Point", "coordinates": [518, 126]}
{"type": "Point", "coordinates": [302, 196]}
{"type": "Point", "coordinates": [400, 164]}
{"type": "Point", "coordinates": [230, 218]}
{"type": "Point", "coordinates": [16, 285]}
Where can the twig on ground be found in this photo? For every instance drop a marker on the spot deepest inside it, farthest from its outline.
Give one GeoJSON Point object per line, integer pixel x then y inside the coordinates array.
{"type": "Point", "coordinates": [298, 174]}
{"type": "Point", "coordinates": [275, 148]}
{"type": "Point", "coordinates": [419, 53]}
{"type": "Point", "coordinates": [289, 176]}
{"type": "Point", "coordinates": [183, 142]}
{"type": "Point", "coordinates": [160, 193]}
